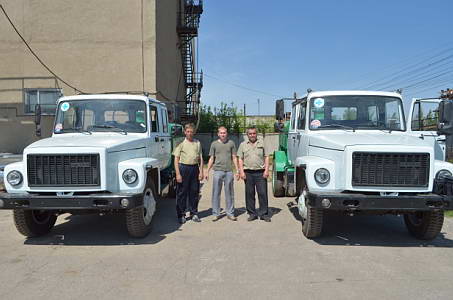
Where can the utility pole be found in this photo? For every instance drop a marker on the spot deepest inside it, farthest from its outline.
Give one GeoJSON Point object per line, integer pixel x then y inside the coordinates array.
{"type": "Point", "coordinates": [245, 118]}
{"type": "Point", "coordinates": [259, 112]}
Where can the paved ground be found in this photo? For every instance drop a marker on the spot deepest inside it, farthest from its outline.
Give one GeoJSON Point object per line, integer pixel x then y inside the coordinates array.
{"type": "Point", "coordinates": [92, 257]}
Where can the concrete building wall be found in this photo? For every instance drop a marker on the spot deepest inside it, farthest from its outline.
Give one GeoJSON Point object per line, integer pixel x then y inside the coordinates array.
{"type": "Point", "coordinates": [168, 54]}
{"type": "Point", "coordinates": [96, 46]}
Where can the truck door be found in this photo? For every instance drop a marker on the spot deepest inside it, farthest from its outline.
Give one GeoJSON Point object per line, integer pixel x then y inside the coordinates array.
{"type": "Point", "coordinates": [292, 135]}
{"type": "Point", "coordinates": [302, 138]}
{"type": "Point", "coordinates": [155, 133]}
{"type": "Point", "coordinates": [423, 120]}
{"type": "Point", "coordinates": [165, 138]}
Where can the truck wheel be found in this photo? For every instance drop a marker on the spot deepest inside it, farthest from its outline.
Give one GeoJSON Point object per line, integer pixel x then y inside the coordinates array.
{"type": "Point", "coordinates": [291, 190]}
{"type": "Point", "coordinates": [277, 182]}
{"type": "Point", "coordinates": [33, 223]}
{"type": "Point", "coordinates": [312, 218]}
{"type": "Point", "coordinates": [138, 220]}
{"type": "Point", "coordinates": [424, 225]}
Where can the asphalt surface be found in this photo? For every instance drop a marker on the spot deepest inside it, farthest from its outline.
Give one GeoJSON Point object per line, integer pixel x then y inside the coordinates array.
{"type": "Point", "coordinates": [358, 257]}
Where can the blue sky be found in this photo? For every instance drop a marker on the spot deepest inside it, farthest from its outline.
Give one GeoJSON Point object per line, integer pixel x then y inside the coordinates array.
{"type": "Point", "coordinates": [287, 46]}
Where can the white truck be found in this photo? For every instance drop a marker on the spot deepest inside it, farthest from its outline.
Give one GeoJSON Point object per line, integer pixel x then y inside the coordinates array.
{"type": "Point", "coordinates": [107, 153]}
{"type": "Point", "coordinates": [351, 153]}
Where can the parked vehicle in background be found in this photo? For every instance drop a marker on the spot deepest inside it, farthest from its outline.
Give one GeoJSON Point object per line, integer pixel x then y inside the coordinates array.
{"type": "Point", "coordinates": [108, 153]}
{"type": "Point", "coordinates": [350, 152]}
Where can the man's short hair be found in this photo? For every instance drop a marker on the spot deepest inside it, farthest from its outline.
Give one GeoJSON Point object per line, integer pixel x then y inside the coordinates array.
{"type": "Point", "coordinates": [189, 125]}
{"type": "Point", "coordinates": [251, 128]}
{"type": "Point", "coordinates": [222, 127]}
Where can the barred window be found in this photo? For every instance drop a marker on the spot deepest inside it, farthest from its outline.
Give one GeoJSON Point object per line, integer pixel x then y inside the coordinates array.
{"type": "Point", "coordinates": [47, 98]}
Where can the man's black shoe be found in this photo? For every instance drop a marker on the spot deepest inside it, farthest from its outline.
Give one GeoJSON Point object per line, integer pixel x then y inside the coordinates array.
{"type": "Point", "coordinates": [182, 220]}
{"type": "Point", "coordinates": [195, 218]}
{"type": "Point", "coordinates": [265, 219]}
{"type": "Point", "coordinates": [252, 218]}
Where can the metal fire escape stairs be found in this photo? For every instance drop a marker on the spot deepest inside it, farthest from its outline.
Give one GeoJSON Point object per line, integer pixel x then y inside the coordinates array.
{"type": "Point", "coordinates": [188, 23]}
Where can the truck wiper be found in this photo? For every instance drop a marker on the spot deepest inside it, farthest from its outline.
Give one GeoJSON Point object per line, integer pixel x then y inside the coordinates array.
{"type": "Point", "coordinates": [77, 129]}
{"type": "Point", "coordinates": [338, 126]}
{"type": "Point", "coordinates": [110, 127]}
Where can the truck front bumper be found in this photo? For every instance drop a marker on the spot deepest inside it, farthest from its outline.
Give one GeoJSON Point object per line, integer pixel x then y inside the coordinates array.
{"type": "Point", "coordinates": [104, 201]}
{"type": "Point", "coordinates": [353, 201]}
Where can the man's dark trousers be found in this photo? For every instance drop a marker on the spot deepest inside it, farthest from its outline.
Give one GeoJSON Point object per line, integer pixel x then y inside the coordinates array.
{"type": "Point", "coordinates": [187, 192]}
{"type": "Point", "coordinates": [255, 180]}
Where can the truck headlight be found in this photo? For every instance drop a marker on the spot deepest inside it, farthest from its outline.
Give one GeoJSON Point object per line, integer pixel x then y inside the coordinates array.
{"type": "Point", "coordinates": [14, 178]}
{"type": "Point", "coordinates": [442, 174]}
{"type": "Point", "coordinates": [322, 176]}
{"type": "Point", "coordinates": [130, 176]}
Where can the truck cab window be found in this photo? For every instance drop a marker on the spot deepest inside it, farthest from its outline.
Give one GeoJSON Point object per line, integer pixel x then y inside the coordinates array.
{"type": "Point", "coordinates": [293, 118]}
{"type": "Point", "coordinates": [154, 119]}
{"type": "Point", "coordinates": [425, 116]}
{"type": "Point", "coordinates": [301, 116]}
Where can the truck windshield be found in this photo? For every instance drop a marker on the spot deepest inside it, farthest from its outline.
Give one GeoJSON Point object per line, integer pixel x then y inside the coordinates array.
{"type": "Point", "coordinates": [101, 115]}
{"type": "Point", "coordinates": [356, 112]}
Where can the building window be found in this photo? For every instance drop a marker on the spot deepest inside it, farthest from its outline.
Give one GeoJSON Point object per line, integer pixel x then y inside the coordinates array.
{"type": "Point", "coordinates": [47, 98]}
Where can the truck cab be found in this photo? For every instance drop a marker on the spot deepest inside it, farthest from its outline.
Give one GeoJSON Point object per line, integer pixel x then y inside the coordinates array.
{"type": "Point", "coordinates": [107, 153]}
{"type": "Point", "coordinates": [351, 153]}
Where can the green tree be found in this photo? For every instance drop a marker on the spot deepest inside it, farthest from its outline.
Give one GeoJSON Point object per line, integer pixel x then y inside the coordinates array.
{"type": "Point", "coordinates": [224, 115]}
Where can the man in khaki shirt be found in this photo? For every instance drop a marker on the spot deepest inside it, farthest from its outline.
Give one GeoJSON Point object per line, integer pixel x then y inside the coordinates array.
{"type": "Point", "coordinates": [254, 170]}
{"type": "Point", "coordinates": [189, 173]}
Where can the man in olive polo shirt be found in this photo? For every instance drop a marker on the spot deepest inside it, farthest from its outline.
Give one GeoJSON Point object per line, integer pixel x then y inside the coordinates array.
{"type": "Point", "coordinates": [189, 173]}
{"type": "Point", "coordinates": [222, 156]}
{"type": "Point", "coordinates": [254, 170]}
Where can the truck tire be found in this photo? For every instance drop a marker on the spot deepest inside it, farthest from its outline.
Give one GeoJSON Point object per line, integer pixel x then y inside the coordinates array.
{"type": "Point", "coordinates": [277, 182]}
{"type": "Point", "coordinates": [312, 218]}
{"type": "Point", "coordinates": [138, 220]}
{"type": "Point", "coordinates": [291, 190]}
{"type": "Point", "coordinates": [424, 225]}
{"type": "Point", "coordinates": [33, 223]}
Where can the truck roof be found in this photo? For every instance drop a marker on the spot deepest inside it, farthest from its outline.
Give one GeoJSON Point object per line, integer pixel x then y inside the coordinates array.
{"type": "Point", "coordinates": [352, 92]}
{"type": "Point", "coordinates": [110, 97]}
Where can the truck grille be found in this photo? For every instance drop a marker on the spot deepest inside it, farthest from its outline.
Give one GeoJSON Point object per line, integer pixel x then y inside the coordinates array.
{"type": "Point", "coordinates": [390, 169]}
{"type": "Point", "coordinates": [63, 170]}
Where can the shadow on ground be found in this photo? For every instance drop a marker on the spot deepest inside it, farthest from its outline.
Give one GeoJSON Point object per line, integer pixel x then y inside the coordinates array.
{"type": "Point", "coordinates": [381, 231]}
{"type": "Point", "coordinates": [95, 230]}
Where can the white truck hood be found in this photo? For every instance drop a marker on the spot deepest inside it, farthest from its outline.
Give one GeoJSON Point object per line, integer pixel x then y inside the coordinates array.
{"type": "Point", "coordinates": [339, 140]}
{"type": "Point", "coordinates": [112, 143]}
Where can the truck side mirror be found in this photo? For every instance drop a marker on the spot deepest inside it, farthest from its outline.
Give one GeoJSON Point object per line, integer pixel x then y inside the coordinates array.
{"type": "Point", "coordinates": [38, 120]}
{"type": "Point", "coordinates": [279, 110]}
{"type": "Point", "coordinates": [445, 126]}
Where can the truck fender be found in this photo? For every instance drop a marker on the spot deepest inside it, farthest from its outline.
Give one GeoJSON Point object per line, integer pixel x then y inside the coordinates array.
{"type": "Point", "coordinates": [142, 166]}
{"type": "Point", "coordinates": [280, 161]}
{"type": "Point", "coordinates": [309, 164]}
{"type": "Point", "coordinates": [438, 165]}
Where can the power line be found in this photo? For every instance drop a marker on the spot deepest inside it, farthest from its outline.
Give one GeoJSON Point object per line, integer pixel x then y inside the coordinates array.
{"type": "Point", "coordinates": [416, 77]}
{"type": "Point", "coordinates": [407, 70]}
{"type": "Point", "coordinates": [402, 63]}
{"type": "Point", "coordinates": [243, 87]}
{"type": "Point", "coordinates": [36, 56]}
{"type": "Point", "coordinates": [431, 86]}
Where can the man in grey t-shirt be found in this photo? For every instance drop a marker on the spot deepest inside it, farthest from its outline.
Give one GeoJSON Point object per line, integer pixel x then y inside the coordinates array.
{"type": "Point", "coordinates": [223, 156]}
